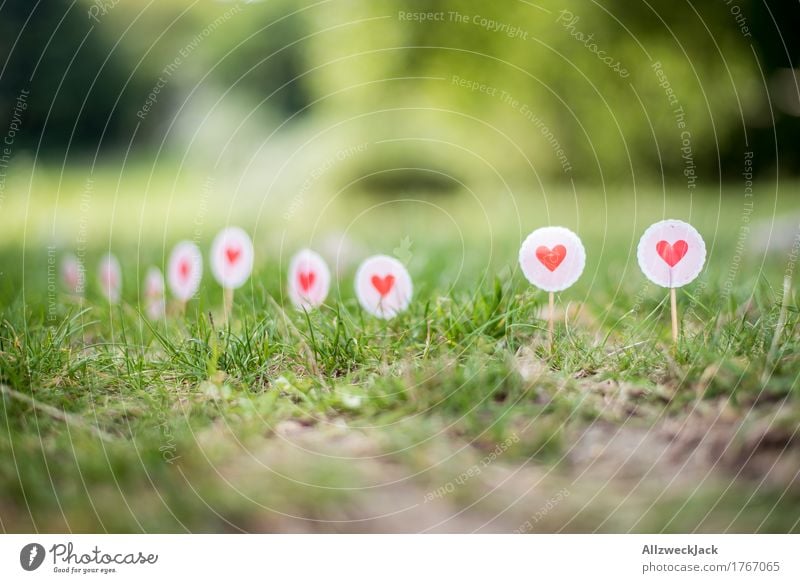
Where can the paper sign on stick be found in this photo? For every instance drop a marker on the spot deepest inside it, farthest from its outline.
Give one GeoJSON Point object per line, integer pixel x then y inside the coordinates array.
{"type": "Point", "coordinates": [185, 270]}
{"type": "Point", "coordinates": [232, 257]}
{"type": "Point", "coordinates": [309, 280]}
{"type": "Point", "coordinates": [110, 278]}
{"type": "Point", "coordinates": [155, 302]}
{"type": "Point", "coordinates": [383, 286]}
{"type": "Point", "coordinates": [72, 275]}
{"type": "Point", "coordinates": [671, 253]}
{"type": "Point", "coordinates": [552, 258]}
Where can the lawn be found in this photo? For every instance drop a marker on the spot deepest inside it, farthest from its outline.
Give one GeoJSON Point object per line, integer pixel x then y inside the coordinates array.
{"type": "Point", "coordinates": [456, 416]}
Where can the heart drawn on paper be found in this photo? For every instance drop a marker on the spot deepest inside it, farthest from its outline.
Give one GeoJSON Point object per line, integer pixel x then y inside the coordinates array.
{"type": "Point", "coordinates": [551, 258]}
{"type": "Point", "coordinates": [153, 290]}
{"type": "Point", "coordinates": [383, 284]}
{"type": "Point", "coordinates": [306, 280]}
{"type": "Point", "coordinates": [672, 253]}
{"type": "Point", "coordinates": [71, 277]}
{"type": "Point", "coordinates": [109, 277]}
{"type": "Point", "coordinates": [232, 254]}
{"type": "Point", "coordinates": [184, 269]}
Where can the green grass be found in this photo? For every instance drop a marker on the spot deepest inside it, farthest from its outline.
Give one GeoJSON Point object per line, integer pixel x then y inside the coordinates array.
{"type": "Point", "coordinates": [455, 416]}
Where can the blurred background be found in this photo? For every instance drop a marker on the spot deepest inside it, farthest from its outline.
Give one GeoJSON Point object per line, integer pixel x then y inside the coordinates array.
{"type": "Point", "coordinates": [441, 132]}
{"type": "Point", "coordinates": [285, 106]}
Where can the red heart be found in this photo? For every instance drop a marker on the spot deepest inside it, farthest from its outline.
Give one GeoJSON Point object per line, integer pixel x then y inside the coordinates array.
{"type": "Point", "coordinates": [184, 268]}
{"type": "Point", "coordinates": [551, 258]}
{"type": "Point", "coordinates": [306, 280]}
{"type": "Point", "coordinates": [71, 277]}
{"type": "Point", "coordinates": [672, 253]}
{"type": "Point", "coordinates": [383, 284]}
{"type": "Point", "coordinates": [109, 277]}
{"type": "Point", "coordinates": [233, 254]}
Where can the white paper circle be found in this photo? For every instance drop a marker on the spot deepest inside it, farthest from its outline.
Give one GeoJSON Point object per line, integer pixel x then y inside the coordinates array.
{"type": "Point", "coordinates": [309, 280]}
{"type": "Point", "coordinates": [552, 258]}
{"type": "Point", "coordinates": [383, 286]}
{"type": "Point", "coordinates": [232, 257]}
{"type": "Point", "coordinates": [155, 303]}
{"type": "Point", "coordinates": [185, 270]}
{"type": "Point", "coordinates": [72, 274]}
{"type": "Point", "coordinates": [153, 284]}
{"type": "Point", "coordinates": [110, 278]}
{"type": "Point", "coordinates": [671, 253]}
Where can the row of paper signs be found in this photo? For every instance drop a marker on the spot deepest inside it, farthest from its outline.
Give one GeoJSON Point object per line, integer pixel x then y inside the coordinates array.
{"type": "Point", "coordinates": [671, 253]}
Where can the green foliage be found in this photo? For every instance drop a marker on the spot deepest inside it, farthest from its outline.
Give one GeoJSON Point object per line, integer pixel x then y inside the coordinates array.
{"type": "Point", "coordinates": [518, 82]}
{"type": "Point", "coordinates": [525, 86]}
{"type": "Point", "coordinates": [195, 424]}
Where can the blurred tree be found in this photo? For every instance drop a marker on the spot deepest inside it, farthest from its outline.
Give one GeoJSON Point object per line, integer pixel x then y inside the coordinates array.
{"type": "Point", "coordinates": [572, 76]}
{"type": "Point", "coordinates": [775, 123]}
{"type": "Point", "coordinates": [551, 89]}
{"type": "Point", "coordinates": [91, 72]}
{"type": "Point", "coordinates": [73, 74]}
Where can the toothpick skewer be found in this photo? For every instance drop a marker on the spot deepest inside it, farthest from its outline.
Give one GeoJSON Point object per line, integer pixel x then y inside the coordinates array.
{"type": "Point", "coordinates": [671, 254]}
{"type": "Point", "coordinates": [674, 309]}
{"type": "Point", "coordinates": [227, 300]}
{"type": "Point", "coordinates": [231, 263]}
{"type": "Point", "coordinates": [552, 317]}
{"type": "Point", "coordinates": [552, 259]}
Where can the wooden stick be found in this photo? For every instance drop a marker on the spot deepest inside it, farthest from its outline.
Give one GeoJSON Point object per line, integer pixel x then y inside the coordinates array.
{"type": "Point", "coordinates": [178, 308]}
{"type": "Point", "coordinates": [779, 326]}
{"type": "Point", "coordinates": [227, 301]}
{"type": "Point", "coordinates": [673, 302]}
{"type": "Point", "coordinates": [551, 323]}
